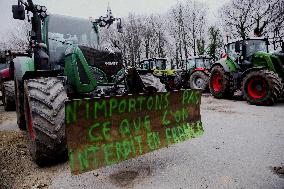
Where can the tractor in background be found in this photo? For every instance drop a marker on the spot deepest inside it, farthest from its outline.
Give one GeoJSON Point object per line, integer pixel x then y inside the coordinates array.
{"type": "Point", "coordinates": [66, 62]}
{"type": "Point", "coordinates": [7, 86]}
{"type": "Point", "coordinates": [157, 67]}
{"type": "Point", "coordinates": [4, 67]}
{"type": "Point", "coordinates": [249, 66]}
{"type": "Point", "coordinates": [196, 72]}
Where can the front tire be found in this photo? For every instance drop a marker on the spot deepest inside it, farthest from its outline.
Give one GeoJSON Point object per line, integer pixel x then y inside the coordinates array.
{"type": "Point", "coordinates": [262, 87]}
{"type": "Point", "coordinates": [19, 99]}
{"type": "Point", "coordinates": [44, 102]}
{"type": "Point", "coordinates": [219, 83]}
{"type": "Point", "coordinates": [199, 80]}
{"type": "Point", "coordinates": [8, 96]}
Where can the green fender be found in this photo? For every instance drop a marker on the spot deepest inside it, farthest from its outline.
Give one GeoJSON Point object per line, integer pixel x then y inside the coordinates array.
{"type": "Point", "coordinates": [252, 69]}
{"type": "Point", "coordinates": [228, 64]}
{"type": "Point", "coordinates": [22, 65]}
{"type": "Point", "coordinates": [74, 57]}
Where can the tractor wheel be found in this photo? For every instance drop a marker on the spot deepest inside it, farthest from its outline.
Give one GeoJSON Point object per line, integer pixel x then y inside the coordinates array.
{"type": "Point", "coordinates": [262, 87]}
{"type": "Point", "coordinates": [8, 96]}
{"type": "Point", "coordinates": [219, 83]}
{"type": "Point", "coordinates": [19, 98]}
{"type": "Point", "coordinates": [199, 80]}
{"type": "Point", "coordinates": [178, 82]}
{"type": "Point", "coordinates": [150, 81]}
{"type": "Point", "coordinates": [44, 103]}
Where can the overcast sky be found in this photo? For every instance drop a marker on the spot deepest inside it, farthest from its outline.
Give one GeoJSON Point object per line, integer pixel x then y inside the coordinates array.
{"type": "Point", "coordinates": [96, 8]}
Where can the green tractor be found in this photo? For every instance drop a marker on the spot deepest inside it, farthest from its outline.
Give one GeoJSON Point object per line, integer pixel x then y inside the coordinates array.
{"type": "Point", "coordinates": [66, 62]}
{"type": "Point", "coordinates": [158, 68]}
{"type": "Point", "coordinates": [197, 71]}
{"type": "Point", "coordinates": [247, 65]}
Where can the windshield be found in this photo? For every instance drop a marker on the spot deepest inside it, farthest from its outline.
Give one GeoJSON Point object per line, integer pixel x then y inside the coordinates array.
{"type": "Point", "coordinates": [254, 46]}
{"type": "Point", "coordinates": [151, 64]}
{"type": "Point", "coordinates": [190, 64]}
{"type": "Point", "coordinates": [161, 64]}
{"type": "Point", "coordinates": [64, 31]}
{"type": "Point", "coordinates": [231, 51]}
{"type": "Point", "coordinates": [145, 65]}
{"type": "Point", "coordinates": [199, 63]}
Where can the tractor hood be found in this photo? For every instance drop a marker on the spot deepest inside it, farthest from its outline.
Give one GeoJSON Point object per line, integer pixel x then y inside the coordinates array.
{"type": "Point", "coordinates": [109, 62]}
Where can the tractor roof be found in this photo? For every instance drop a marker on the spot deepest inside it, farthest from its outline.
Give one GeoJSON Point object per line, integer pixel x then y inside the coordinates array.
{"type": "Point", "coordinates": [198, 57]}
{"type": "Point", "coordinates": [149, 59]}
{"type": "Point", "coordinates": [250, 38]}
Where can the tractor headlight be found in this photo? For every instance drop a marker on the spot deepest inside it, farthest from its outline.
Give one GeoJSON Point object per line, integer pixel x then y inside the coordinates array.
{"type": "Point", "coordinates": [38, 8]}
{"type": "Point", "coordinates": [43, 14]}
{"type": "Point", "coordinates": [43, 8]}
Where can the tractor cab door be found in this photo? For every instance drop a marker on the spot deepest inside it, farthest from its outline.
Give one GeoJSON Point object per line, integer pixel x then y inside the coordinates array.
{"type": "Point", "coordinates": [234, 51]}
{"type": "Point", "coordinates": [250, 47]}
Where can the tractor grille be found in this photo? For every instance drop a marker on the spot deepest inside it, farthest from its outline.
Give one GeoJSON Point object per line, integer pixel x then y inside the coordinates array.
{"type": "Point", "coordinates": [109, 63]}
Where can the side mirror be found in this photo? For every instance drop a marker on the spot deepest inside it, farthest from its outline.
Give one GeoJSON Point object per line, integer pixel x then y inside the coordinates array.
{"type": "Point", "coordinates": [238, 47]}
{"type": "Point", "coordinates": [18, 12]}
{"type": "Point", "coordinates": [119, 26]}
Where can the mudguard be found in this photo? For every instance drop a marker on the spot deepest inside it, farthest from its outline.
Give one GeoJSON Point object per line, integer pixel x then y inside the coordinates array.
{"type": "Point", "coordinates": [252, 69]}
{"type": "Point", "coordinates": [21, 66]}
{"type": "Point", "coordinates": [78, 71]}
{"type": "Point", "coordinates": [228, 64]}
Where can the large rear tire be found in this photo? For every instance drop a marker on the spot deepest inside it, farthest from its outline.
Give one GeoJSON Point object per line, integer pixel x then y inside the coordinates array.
{"type": "Point", "coordinates": [19, 99]}
{"type": "Point", "coordinates": [44, 102]}
{"type": "Point", "coordinates": [219, 83]}
{"type": "Point", "coordinates": [8, 96]}
{"type": "Point", "coordinates": [262, 87]}
{"type": "Point", "coordinates": [199, 80]}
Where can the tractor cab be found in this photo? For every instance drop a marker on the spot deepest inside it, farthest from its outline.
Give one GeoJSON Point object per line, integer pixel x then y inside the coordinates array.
{"type": "Point", "coordinates": [242, 51]}
{"type": "Point", "coordinates": [82, 44]}
{"type": "Point", "coordinates": [158, 67]}
{"type": "Point", "coordinates": [154, 64]}
{"type": "Point", "coordinates": [199, 62]}
{"type": "Point", "coordinates": [196, 72]}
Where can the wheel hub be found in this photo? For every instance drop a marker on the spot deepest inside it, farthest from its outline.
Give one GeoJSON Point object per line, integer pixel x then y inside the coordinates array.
{"type": "Point", "coordinates": [257, 88]}
{"type": "Point", "coordinates": [199, 82]}
{"type": "Point", "coordinates": [217, 82]}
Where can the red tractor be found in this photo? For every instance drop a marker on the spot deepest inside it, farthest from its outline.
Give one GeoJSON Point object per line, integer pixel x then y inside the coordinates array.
{"type": "Point", "coordinates": [197, 71]}
{"type": "Point", "coordinates": [7, 86]}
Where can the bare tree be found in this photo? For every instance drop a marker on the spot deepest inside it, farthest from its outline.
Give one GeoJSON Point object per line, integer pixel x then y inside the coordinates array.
{"type": "Point", "coordinates": [246, 17]}
{"type": "Point", "coordinates": [18, 37]}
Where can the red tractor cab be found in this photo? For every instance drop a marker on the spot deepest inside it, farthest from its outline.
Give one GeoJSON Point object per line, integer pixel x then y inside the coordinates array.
{"type": "Point", "coordinates": [197, 71]}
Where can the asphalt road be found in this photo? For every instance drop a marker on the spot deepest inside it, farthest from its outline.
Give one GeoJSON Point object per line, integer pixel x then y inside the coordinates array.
{"type": "Point", "coordinates": [241, 146]}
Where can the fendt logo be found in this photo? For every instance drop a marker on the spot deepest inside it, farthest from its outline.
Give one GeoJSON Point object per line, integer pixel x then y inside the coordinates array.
{"type": "Point", "coordinates": [111, 63]}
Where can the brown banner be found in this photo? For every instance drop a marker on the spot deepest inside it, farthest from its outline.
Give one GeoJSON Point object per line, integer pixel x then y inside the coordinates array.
{"type": "Point", "coordinates": [108, 130]}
